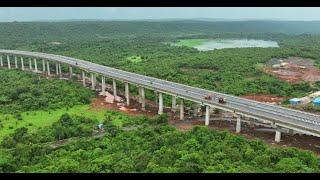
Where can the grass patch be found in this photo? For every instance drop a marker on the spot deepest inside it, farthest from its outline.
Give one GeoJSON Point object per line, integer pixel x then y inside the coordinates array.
{"type": "Point", "coordinates": [134, 59]}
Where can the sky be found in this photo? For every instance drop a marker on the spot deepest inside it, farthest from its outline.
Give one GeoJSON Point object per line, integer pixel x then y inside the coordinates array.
{"type": "Point", "coordinates": [9, 14]}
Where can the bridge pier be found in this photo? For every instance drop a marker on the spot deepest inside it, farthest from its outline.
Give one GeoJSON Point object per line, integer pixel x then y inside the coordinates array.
{"type": "Point", "coordinates": [35, 65]}
{"type": "Point", "coordinates": [48, 68]}
{"type": "Point", "coordinates": [160, 104]}
{"type": "Point", "coordinates": [143, 101]}
{"type": "Point", "coordinates": [8, 60]}
{"type": "Point", "coordinates": [60, 71]}
{"type": "Point", "coordinates": [174, 104]}
{"type": "Point", "coordinates": [114, 88]}
{"type": "Point", "coordinates": [126, 86]}
{"type": "Point", "coordinates": [16, 62]}
{"type": "Point", "coordinates": [238, 125]}
{"type": "Point", "coordinates": [278, 134]}
{"type": "Point", "coordinates": [139, 94]}
{"type": "Point", "coordinates": [57, 69]}
{"type": "Point", "coordinates": [93, 82]}
{"type": "Point", "coordinates": [103, 85]}
{"type": "Point", "coordinates": [70, 72]}
{"type": "Point", "coordinates": [22, 63]}
{"type": "Point", "coordinates": [1, 61]}
{"type": "Point", "coordinates": [83, 79]}
{"type": "Point", "coordinates": [181, 110]}
{"type": "Point", "coordinates": [30, 64]}
{"type": "Point", "coordinates": [207, 115]}
{"type": "Point", "coordinates": [43, 66]}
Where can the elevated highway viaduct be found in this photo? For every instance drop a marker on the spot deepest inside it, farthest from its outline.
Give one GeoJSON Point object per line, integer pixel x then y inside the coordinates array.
{"type": "Point", "coordinates": [280, 117]}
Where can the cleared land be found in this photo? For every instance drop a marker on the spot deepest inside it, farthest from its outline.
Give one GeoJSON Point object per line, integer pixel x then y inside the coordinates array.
{"type": "Point", "coordinates": [293, 69]}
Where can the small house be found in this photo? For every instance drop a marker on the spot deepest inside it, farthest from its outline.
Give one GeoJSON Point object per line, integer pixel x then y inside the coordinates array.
{"type": "Point", "coordinates": [316, 101]}
{"type": "Point", "coordinates": [295, 101]}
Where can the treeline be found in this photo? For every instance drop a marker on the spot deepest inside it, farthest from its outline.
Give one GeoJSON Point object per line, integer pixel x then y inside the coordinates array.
{"type": "Point", "coordinates": [140, 144]}
{"type": "Point", "coordinates": [230, 71]}
{"type": "Point", "coordinates": [23, 91]}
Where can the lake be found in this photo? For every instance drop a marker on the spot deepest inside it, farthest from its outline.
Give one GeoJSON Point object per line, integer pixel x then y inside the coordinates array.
{"type": "Point", "coordinates": [207, 44]}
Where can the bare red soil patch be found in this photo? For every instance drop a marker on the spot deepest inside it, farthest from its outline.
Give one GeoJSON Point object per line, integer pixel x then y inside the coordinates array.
{"type": "Point", "coordinates": [266, 98]}
{"type": "Point", "coordinates": [294, 69]}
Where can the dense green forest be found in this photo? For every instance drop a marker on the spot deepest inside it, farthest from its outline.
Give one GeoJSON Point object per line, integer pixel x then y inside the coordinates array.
{"type": "Point", "coordinates": [24, 91]}
{"type": "Point", "coordinates": [140, 144]}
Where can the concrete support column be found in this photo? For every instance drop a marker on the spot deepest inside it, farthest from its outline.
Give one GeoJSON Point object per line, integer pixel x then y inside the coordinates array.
{"type": "Point", "coordinates": [48, 68]}
{"type": "Point", "coordinates": [22, 63]}
{"type": "Point", "coordinates": [160, 104]}
{"type": "Point", "coordinates": [70, 72]}
{"type": "Point", "coordinates": [174, 104]}
{"type": "Point", "coordinates": [30, 64]}
{"type": "Point", "coordinates": [93, 82]}
{"type": "Point", "coordinates": [57, 69]}
{"type": "Point", "coordinates": [207, 115]}
{"type": "Point", "coordinates": [238, 125]}
{"type": "Point", "coordinates": [60, 71]}
{"type": "Point", "coordinates": [103, 85]}
{"type": "Point", "coordinates": [8, 60]}
{"type": "Point", "coordinates": [1, 61]}
{"type": "Point", "coordinates": [114, 85]}
{"type": "Point", "coordinates": [143, 102]}
{"type": "Point", "coordinates": [278, 135]}
{"type": "Point", "coordinates": [181, 110]}
{"type": "Point", "coordinates": [139, 92]}
{"type": "Point", "coordinates": [35, 65]}
{"type": "Point", "coordinates": [83, 79]}
{"type": "Point", "coordinates": [43, 66]}
{"type": "Point", "coordinates": [16, 62]}
{"type": "Point", "coordinates": [126, 86]}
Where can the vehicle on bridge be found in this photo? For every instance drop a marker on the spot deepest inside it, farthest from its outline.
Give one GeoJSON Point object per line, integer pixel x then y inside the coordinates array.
{"type": "Point", "coordinates": [209, 96]}
{"type": "Point", "coordinates": [222, 100]}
